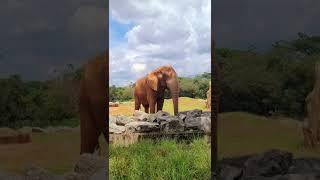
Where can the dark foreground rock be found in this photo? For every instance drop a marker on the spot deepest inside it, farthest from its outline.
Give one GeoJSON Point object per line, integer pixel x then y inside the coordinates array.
{"type": "Point", "coordinates": [271, 165]}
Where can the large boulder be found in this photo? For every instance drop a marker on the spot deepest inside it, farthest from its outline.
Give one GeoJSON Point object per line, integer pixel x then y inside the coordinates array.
{"type": "Point", "coordinates": [205, 124]}
{"type": "Point", "coordinates": [36, 173]}
{"type": "Point", "coordinates": [140, 116]}
{"type": "Point", "coordinates": [115, 129]}
{"type": "Point", "coordinates": [271, 165]}
{"type": "Point", "coordinates": [171, 124]}
{"type": "Point", "coordinates": [305, 166]}
{"type": "Point", "coordinates": [39, 130]}
{"type": "Point", "coordinates": [122, 120]}
{"type": "Point", "coordinates": [142, 126]}
{"type": "Point", "coordinates": [191, 114]}
{"type": "Point", "coordinates": [91, 166]}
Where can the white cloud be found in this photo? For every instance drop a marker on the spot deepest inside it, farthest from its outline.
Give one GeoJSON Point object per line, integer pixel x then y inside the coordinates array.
{"type": "Point", "coordinates": [164, 32]}
{"type": "Point", "coordinates": [138, 67]}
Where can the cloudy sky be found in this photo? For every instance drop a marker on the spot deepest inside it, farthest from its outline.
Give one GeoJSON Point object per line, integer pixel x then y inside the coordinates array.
{"type": "Point", "coordinates": [239, 24]}
{"type": "Point", "coordinates": [38, 36]}
{"type": "Point", "coordinates": [148, 34]}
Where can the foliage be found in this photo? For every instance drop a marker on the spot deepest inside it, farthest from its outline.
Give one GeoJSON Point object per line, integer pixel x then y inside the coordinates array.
{"type": "Point", "coordinates": [37, 103]}
{"type": "Point", "coordinates": [120, 93]}
{"type": "Point", "coordinates": [274, 82]}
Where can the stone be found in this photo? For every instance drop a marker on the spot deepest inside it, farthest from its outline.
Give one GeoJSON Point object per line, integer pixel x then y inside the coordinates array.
{"type": "Point", "coordinates": [166, 118]}
{"type": "Point", "coordinates": [305, 166]}
{"type": "Point", "coordinates": [152, 118]}
{"type": "Point", "coordinates": [140, 115]}
{"type": "Point", "coordinates": [270, 163]}
{"type": "Point", "coordinates": [115, 129]}
{"type": "Point", "coordinates": [229, 173]}
{"type": "Point", "coordinates": [161, 114]}
{"type": "Point", "coordinates": [192, 114]}
{"type": "Point", "coordinates": [112, 119]}
{"type": "Point", "coordinates": [142, 126]}
{"type": "Point", "coordinates": [38, 130]}
{"type": "Point", "coordinates": [36, 173]}
{"type": "Point", "coordinates": [10, 176]}
{"type": "Point", "coordinates": [206, 114]}
{"type": "Point", "coordinates": [92, 166]}
{"type": "Point", "coordinates": [122, 120]}
{"type": "Point", "coordinates": [171, 124]}
{"type": "Point", "coordinates": [193, 123]}
{"type": "Point", "coordinates": [182, 116]}
{"type": "Point", "coordinates": [205, 124]}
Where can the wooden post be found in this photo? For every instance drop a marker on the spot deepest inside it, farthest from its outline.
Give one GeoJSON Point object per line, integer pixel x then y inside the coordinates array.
{"type": "Point", "coordinates": [311, 128]}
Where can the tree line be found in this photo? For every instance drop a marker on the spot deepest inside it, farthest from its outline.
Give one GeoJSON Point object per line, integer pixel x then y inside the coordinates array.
{"type": "Point", "coordinates": [273, 82]}
{"type": "Point", "coordinates": [194, 87]}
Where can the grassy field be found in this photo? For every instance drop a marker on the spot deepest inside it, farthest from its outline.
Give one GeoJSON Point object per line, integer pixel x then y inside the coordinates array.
{"type": "Point", "coordinates": [239, 134]}
{"type": "Point", "coordinates": [185, 103]}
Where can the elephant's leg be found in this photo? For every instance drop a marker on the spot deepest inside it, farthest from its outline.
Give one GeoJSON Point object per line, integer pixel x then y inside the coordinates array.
{"type": "Point", "coordinates": [137, 104]}
{"type": "Point", "coordinates": [146, 108]}
{"type": "Point", "coordinates": [93, 114]}
{"type": "Point", "coordinates": [152, 105]}
{"type": "Point", "coordinates": [160, 104]}
{"type": "Point", "coordinates": [89, 133]}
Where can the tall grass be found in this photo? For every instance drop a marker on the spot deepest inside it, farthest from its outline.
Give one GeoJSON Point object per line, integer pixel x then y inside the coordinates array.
{"type": "Point", "coordinates": [161, 160]}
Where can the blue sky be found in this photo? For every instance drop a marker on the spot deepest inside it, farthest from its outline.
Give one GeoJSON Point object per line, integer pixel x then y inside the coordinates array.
{"type": "Point", "coordinates": [117, 32]}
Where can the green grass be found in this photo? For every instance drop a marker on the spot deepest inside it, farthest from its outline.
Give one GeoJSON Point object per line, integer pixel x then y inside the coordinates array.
{"type": "Point", "coordinates": [162, 160]}
{"type": "Point", "coordinates": [242, 133]}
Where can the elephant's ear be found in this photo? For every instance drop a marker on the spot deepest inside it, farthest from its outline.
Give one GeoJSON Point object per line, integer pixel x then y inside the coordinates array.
{"type": "Point", "coordinates": [152, 81]}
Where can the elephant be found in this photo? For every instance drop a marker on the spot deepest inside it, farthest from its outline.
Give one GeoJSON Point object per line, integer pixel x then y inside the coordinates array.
{"type": "Point", "coordinates": [149, 90]}
{"type": "Point", "coordinates": [93, 103]}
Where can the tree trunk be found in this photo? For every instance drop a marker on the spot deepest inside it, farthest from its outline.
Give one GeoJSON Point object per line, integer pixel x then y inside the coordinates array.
{"type": "Point", "coordinates": [311, 127]}
{"type": "Point", "coordinates": [208, 105]}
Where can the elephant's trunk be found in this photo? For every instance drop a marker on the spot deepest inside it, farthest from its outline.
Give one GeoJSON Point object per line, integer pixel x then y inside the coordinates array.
{"type": "Point", "coordinates": [174, 90]}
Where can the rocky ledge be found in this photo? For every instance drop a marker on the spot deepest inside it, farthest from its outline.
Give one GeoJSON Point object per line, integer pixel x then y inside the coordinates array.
{"type": "Point", "coordinates": [141, 122]}
{"type": "Point", "coordinates": [271, 165]}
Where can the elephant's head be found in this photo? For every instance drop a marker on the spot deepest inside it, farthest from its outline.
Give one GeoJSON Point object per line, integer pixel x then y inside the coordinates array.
{"type": "Point", "coordinates": [162, 78]}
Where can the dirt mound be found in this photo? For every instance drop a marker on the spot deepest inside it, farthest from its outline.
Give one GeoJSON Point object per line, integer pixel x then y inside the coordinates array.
{"type": "Point", "coordinates": [6, 132]}
{"type": "Point", "coordinates": [9, 136]}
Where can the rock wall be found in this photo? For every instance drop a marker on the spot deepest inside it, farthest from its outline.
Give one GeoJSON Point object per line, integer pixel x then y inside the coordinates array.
{"type": "Point", "coordinates": [141, 122]}
{"type": "Point", "coordinates": [270, 165]}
